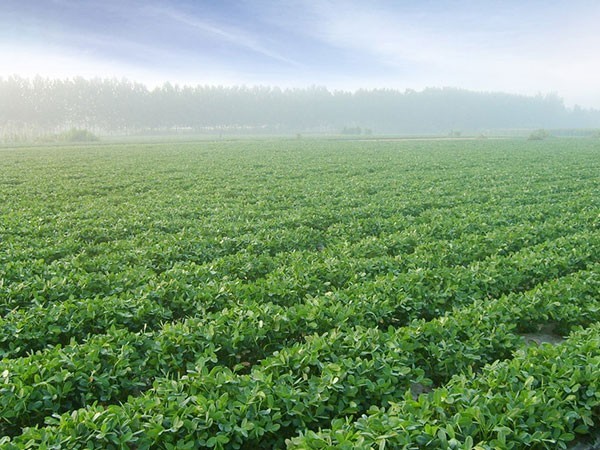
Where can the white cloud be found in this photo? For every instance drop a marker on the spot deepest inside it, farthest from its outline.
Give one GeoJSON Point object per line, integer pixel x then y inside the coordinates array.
{"type": "Point", "coordinates": [545, 51]}
{"type": "Point", "coordinates": [519, 47]}
{"type": "Point", "coordinates": [235, 36]}
{"type": "Point", "coordinates": [57, 62]}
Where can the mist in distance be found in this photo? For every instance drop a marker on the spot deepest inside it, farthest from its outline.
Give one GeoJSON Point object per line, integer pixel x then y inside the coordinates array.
{"type": "Point", "coordinates": [390, 67]}
{"type": "Point", "coordinates": [43, 107]}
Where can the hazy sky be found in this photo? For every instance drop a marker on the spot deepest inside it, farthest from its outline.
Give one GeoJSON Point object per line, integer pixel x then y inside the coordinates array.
{"type": "Point", "coordinates": [514, 46]}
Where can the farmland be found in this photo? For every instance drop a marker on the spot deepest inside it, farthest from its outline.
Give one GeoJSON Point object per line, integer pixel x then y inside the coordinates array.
{"type": "Point", "coordinates": [300, 294]}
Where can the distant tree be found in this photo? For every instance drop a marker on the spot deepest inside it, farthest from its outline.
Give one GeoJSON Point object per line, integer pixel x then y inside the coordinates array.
{"type": "Point", "coordinates": [78, 135]}
{"type": "Point", "coordinates": [45, 107]}
{"type": "Point", "coordinates": [538, 135]}
{"type": "Point", "coordinates": [352, 130]}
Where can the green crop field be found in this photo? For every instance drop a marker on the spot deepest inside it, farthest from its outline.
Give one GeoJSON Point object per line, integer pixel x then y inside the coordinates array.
{"type": "Point", "coordinates": [300, 294]}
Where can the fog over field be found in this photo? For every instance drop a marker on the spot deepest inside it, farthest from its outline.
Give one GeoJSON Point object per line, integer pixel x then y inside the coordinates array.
{"type": "Point", "coordinates": [298, 66]}
{"type": "Point", "coordinates": [516, 47]}
{"type": "Point", "coordinates": [110, 107]}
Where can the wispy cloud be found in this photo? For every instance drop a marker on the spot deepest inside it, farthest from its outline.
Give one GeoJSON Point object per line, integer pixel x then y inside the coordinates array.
{"type": "Point", "coordinates": [510, 46]}
{"type": "Point", "coordinates": [234, 36]}
{"type": "Point", "coordinates": [514, 46]}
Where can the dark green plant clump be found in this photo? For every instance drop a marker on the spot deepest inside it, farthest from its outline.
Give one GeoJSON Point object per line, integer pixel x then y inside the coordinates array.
{"type": "Point", "coordinates": [77, 135]}
{"type": "Point", "coordinates": [538, 135]}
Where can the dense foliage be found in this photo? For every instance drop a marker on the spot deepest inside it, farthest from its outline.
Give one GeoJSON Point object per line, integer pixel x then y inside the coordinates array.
{"type": "Point", "coordinates": [309, 294]}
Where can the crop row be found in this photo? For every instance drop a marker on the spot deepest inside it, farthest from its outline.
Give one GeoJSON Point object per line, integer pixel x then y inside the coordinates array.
{"type": "Point", "coordinates": [306, 385]}
{"type": "Point", "coordinates": [235, 295]}
{"type": "Point", "coordinates": [25, 330]}
{"type": "Point", "coordinates": [543, 398]}
{"type": "Point", "coordinates": [396, 299]}
{"type": "Point", "coordinates": [55, 232]}
{"type": "Point", "coordinates": [108, 368]}
{"type": "Point", "coordinates": [85, 276]}
{"type": "Point", "coordinates": [178, 209]}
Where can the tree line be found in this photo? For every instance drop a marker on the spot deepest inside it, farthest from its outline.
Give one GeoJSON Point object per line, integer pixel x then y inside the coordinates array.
{"type": "Point", "coordinates": [41, 106]}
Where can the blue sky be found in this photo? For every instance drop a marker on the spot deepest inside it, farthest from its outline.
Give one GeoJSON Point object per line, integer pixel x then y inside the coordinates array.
{"type": "Point", "coordinates": [525, 47]}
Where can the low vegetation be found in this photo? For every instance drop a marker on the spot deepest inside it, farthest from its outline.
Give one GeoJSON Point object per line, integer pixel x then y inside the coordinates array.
{"type": "Point", "coordinates": [301, 294]}
{"type": "Point", "coordinates": [538, 135]}
{"type": "Point", "coordinates": [77, 135]}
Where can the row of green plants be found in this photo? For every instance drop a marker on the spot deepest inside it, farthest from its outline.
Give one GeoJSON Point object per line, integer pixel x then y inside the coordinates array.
{"type": "Point", "coordinates": [309, 384]}
{"type": "Point", "coordinates": [110, 367]}
{"type": "Point", "coordinates": [35, 328]}
{"type": "Point", "coordinates": [158, 267]}
{"type": "Point", "coordinates": [399, 298]}
{"type": "Point", "coordinates": [47, 210]}
{"type": "Point", "coordinates": [543, 398]}
{"type": "Point", "coordinates": [85, 276]}
{"type": "Point", "coordinates": [25, 331]}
